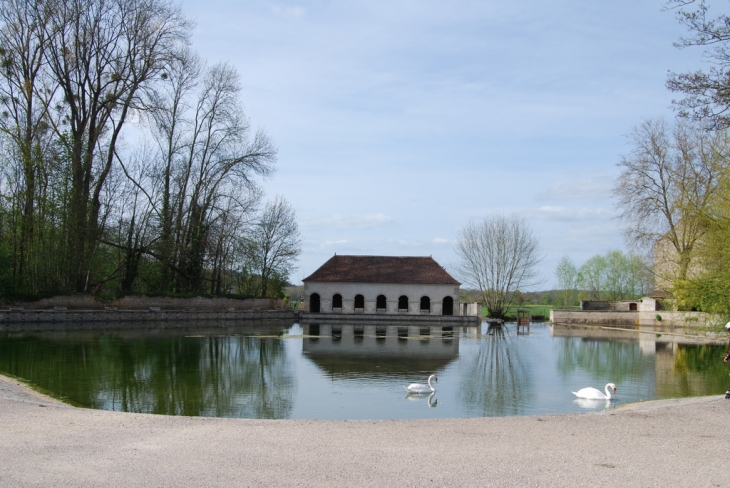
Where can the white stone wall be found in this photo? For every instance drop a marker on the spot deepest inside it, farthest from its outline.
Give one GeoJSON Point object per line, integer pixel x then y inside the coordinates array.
{"type": "Point", "coordinates": [392, 292]}
{"type": "Point", "coordinates": [662, 317]}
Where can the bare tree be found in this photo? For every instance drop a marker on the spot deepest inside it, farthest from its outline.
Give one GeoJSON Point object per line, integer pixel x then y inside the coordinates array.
{"type": "Point", "coordinates": [666, 182]}
{"type": "Point", "coordinates": [79, 210]}
{"type": "Point", "coordinates": [24, 125]}
{"type": "Point", "coordinates": [208, 160]}
{"type": "Point", "coordinates": [102, 54]}
{"type": "Point", "coordinates": [498, 255]}
{"type": "Point", "coordinates": [707, 93]}
{"type": "Point", "coordinates": [274, 244]}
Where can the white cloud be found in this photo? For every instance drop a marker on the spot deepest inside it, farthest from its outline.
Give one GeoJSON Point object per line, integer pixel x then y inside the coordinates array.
{"type": "Point", "coordinates": [586, 189]}
{"type": "Point", "coordinates": [333, 243]}
{"type": "Point", "coordinates": [440, 240]}
{"type": "Point", "coordinates": [565, 214]}
{"type": "Point", "coordinates": [295, 11]}
{"type": "Point", "coordinates": [339, 221]}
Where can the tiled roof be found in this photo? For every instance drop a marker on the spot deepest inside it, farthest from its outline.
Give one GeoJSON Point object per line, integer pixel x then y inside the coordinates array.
{"type": "Point", "coordinates": [382, 269]}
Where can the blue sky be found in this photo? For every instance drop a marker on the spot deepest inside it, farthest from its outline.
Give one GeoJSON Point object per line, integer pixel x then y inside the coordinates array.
{"type": "Point", "coordinates": [397, 122]}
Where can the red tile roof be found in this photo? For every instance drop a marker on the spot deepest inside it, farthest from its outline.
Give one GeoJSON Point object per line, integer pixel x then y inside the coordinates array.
{"type": "Point", "coordinates": [382, 269]}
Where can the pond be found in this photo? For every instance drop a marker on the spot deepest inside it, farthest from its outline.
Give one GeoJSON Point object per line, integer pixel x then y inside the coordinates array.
{"type": "Point", "coordinates": [317, 371]}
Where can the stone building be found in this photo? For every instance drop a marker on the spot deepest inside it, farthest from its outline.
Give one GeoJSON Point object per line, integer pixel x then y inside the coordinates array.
{"type": "Point", "coordinates": [383, 285]}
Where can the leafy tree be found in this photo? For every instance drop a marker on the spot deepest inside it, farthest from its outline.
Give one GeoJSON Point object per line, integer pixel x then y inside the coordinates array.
{"type": "Point", "coordinates": [615, 276]}
{"type": "Point", "coordinates": [708, 289]}
{"type": "Point", "coordinates": [666, 183]}
{"type": "Point", "coordinates": [567, 276]}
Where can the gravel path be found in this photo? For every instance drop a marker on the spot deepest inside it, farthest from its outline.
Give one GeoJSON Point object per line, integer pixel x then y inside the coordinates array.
{"type": "Point", "coordinates": [662, 443]}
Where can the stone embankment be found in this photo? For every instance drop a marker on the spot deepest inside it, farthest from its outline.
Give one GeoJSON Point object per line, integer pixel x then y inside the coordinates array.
{"type": "Point", "coordinates": [614, 317]}
{"type": "Point", "coordinates": [84, 312]}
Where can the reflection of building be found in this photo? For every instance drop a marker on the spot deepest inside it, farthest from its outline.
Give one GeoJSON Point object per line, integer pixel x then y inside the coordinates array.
{"type": "Point", "coordinates": [383, 285]}
{"type": "Point", "coordinates": [354, 350]}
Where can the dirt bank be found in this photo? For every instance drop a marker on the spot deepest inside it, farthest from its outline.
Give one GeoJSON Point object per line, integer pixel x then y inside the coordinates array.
{"type": "Point", "coordinates": [665, 443]}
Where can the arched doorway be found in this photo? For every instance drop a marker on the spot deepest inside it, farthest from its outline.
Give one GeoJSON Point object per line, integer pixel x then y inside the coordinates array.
{"type": "Point", "coordinates": [448, 306]}
{"type": "Point", "coordinates": [337, 302]}
{"type": "Point", "coordinates": [381, 303]}
{"type": "Point", "coordinates": [359, 302]}
{"type": "Point", "coordinates": [633, 306]}
{"type": "Point", "coordinates": [425, 304]}
{"type": "Point", "coordinates": [403, 303]}
{"type": "Point", "coordinates": [314, 303]}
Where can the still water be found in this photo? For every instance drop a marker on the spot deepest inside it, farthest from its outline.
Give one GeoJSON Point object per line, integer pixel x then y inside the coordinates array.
{"type": "Point", "coordinates": [359, 372]}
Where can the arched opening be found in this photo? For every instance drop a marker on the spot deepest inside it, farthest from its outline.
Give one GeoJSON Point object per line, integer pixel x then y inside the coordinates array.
{"type": "Point", "coordinates": [403, 303]}
{"type": "Point", "coordinates": [337, 302]}
{"type": "Point", "coordinates": [633, 306]}
{"type": "Point", "coordinates": [425, 304]}
{"type": "Point", "coordinates": [448, 306]}
{"type": "Point", "coordinates": [314, 303]}
{"type": "Point", "coordinates": [359, 302]}
{"type": "Point", "coordinates": [381, 303]}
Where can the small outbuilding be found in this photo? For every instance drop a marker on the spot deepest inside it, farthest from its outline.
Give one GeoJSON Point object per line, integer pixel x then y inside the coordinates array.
{"type": "Point", "coordinates": [382, 285]}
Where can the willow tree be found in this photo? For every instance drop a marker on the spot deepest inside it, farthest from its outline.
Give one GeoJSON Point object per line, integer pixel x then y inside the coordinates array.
{"type": "Point", "coordinates": [499, 256]}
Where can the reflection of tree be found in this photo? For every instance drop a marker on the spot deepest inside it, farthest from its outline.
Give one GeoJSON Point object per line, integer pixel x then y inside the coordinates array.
{"type": "Point", "coordinates": [604, 361]}
{"type": "Point", "coordinates": [697, 370]}
{"type": "Point", "coordinates": [210, 376]}
{"type": "Point", "coordinates": [497, 381]}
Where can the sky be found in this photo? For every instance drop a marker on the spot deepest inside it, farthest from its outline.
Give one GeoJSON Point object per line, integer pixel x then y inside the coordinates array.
{"type": "Point", "coordinates": [398, 122]}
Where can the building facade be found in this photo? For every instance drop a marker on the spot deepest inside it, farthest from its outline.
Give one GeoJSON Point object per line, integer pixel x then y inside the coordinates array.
{"type": "Point", "coordinates": [382, 285]}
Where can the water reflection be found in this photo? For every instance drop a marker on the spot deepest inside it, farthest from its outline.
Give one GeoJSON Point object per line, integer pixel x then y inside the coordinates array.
{"type": "Point", "coordinates": [605, 360]}
{"type": "Point", "coordinates": [593, 404]}
{"type": "Point", "coordinates": [229, 376]}
{"type": "Point", "coordinates": [358, 371]}
{"type": "Point", "coordinates": [430, 400]}
{"type": "Point", "coordinates": [363, 351]}
{"type": "Point", "coordinates": [668, 364]}
{"type": "Point", "coordinates": [497, 378]}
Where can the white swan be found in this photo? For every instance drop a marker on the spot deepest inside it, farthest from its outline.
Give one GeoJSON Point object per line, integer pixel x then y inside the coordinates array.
{"type": "Point", "coordinates": [420, 387]}
{"type": "Point", "coordinates": [594, 394]}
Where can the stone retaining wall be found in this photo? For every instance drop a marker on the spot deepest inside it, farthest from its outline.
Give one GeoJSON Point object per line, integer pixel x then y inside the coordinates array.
{"type": "Point", "coordinates": [33, 320]}
{"type": "Point", "coordinates": [594, 317]}
{"type": "Point", "coordinates": [663, 317]}
{"type": "Point", "coordinates": [88, 302]}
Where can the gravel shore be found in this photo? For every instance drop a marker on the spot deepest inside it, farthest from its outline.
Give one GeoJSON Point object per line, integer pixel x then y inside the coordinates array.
{"type": "Point", "coordinates": [665, 443]}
